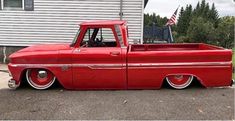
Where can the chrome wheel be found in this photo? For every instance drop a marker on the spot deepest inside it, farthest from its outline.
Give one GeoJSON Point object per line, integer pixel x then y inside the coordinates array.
{"type": "Point", "coordinates": [40, 78]}
{"type": "Point", "coordinates": [179, 81]}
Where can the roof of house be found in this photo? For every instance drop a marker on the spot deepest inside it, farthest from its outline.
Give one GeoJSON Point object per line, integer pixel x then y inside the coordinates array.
{"type": "Point", "coordinates": [103, 22]}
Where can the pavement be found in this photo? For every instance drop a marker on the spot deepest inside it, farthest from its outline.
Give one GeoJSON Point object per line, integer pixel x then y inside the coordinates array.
{"type": "Point", "coordinates": [4, 77]}
{"type": "Point", "coordinates": [194, 103]}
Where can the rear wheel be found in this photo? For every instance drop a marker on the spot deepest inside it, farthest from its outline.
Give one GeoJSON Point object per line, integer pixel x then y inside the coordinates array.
{"type": "Point", "coordinates": [179, 81]}
{"type": "Point", "coordinates": [40, 78]}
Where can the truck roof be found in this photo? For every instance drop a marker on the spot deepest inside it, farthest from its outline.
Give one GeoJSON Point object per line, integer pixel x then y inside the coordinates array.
{"type": "Point", "coordinates": [103, 22]}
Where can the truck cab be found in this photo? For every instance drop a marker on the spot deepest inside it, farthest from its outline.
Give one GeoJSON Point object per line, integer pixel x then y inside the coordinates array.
{"type": "Point", "coordinates": [102, 47]}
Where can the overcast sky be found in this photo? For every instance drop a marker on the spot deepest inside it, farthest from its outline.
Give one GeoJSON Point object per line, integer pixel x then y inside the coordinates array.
{"type": "Point", "coordinates": [167, 7]}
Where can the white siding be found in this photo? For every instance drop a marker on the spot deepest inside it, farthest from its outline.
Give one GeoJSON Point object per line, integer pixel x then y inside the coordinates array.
{"type": "Point", "coordinates": [56, 21]}
{"type": "Point", "coordinates": [133, 11]}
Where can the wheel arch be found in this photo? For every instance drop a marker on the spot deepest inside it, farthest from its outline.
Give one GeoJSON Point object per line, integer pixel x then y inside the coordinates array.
{"type": "Point", "coordinates": [23, 72]}
{"type": "Point", "coordinates": [194, 75]}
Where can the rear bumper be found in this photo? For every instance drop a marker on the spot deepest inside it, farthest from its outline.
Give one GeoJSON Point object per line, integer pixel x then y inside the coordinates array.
{"type": "Point", "coordinates": [232, 82]}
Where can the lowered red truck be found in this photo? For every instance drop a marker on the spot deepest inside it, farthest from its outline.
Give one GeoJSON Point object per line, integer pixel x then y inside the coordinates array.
{"type": "Point", "coordinates": [100, 58]}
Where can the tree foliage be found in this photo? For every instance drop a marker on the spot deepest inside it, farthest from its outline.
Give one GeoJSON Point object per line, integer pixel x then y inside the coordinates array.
{"type": "Point", "coordinates": [202, 24]}
{"type": "Point", "coordinates": [199, 24]}
{"type": "Point", "coordinates": [184, 19]}
{"type": "Point", "coordinates": [153, 19]}
{"type": "Point", "coordinates": [225, 32]}
{"type": "Point", "coordinates": [200, 30]}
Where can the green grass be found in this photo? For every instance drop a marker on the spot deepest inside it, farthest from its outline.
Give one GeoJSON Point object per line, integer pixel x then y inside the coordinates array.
{"type": "Point", "coordinates": [233, 61]}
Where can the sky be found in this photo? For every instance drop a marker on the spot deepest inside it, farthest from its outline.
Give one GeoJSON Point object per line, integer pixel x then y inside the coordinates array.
{"type": "Point", "coordinates": [165, 8]}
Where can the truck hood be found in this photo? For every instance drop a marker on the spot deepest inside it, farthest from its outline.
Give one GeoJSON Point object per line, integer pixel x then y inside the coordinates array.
{"type": "Point", "coordinates": [45, 47]}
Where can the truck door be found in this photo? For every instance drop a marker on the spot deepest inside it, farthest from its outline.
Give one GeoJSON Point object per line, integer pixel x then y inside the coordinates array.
{"type": "Point", "coordinates": [99, 62]}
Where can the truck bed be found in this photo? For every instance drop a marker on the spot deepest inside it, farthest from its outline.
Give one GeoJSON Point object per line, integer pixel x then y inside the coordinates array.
{"type": "Point", "coordinates": [173, 47]}
{"type": "Point", "coordinates": [147, 63]}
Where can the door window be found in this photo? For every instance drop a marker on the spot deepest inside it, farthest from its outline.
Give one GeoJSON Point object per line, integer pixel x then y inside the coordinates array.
{"type": "Point", "coordinates": [99, 37]}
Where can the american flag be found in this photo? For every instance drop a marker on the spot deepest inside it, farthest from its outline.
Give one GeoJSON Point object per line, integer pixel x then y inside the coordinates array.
{"type": "Point", "coordinates": [172, 20]}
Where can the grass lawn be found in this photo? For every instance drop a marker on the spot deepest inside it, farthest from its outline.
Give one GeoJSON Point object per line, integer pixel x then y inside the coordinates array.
{"type": "Point", "coordinates": [233, 61]}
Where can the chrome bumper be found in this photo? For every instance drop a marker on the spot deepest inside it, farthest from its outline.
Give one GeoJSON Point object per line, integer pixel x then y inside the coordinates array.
{"type": "Point", "coordinates": [12, 84]}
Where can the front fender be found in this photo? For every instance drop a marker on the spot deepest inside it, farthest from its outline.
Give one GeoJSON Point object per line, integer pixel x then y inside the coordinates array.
{"type": "Point", "coordinates": [62, 72]}
{"type": "Point", "coordinates": [16, 72]}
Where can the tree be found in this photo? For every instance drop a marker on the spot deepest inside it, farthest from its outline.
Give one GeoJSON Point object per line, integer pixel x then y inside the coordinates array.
{"type": "Point", "coordinates": [196, 10]}
{"type": "Point", "coordinates": [153, 19]}
{"type": "Point", "coordinates": [188, 16]}
{"type": "Point", "coordinates": [225, 32]}
{"type": "Point", "coordinates": [213, 15]}
{"type": "Point", "coordinates": [200, 30]}
{"type": "Point", "coordinates": [206, 11]}
{"type": "Point", "coordinates": [184, 19]}
{"type": "Point", "coordinates": [189, 20]}
{"type": "Point", "coordinates": [201, 24]}
{"type": "Point", "coordinates": [202, 7]}
{"type": "Point", "coordinates": [180, 24]}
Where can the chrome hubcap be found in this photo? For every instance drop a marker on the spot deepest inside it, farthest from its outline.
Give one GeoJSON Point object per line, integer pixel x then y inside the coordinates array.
{"type": "Point", "coordinates": [42, 74]}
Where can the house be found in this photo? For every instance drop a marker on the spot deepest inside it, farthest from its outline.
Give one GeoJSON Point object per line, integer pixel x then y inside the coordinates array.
{"type": "Point", "coordinates": [28, 22]}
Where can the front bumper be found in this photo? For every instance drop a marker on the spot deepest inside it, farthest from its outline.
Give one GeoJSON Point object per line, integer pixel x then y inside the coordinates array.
{"type": "Point", "coordinates": [12, 84]}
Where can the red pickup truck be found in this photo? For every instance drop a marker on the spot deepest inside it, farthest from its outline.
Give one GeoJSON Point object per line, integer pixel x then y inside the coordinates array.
{"type": "Point", "coordinates": [100, 58]}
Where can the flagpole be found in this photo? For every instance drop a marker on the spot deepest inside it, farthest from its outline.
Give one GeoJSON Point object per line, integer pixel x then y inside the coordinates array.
{"type": "Point", "coordinates": [171, 37]}
{"type": "Point", "coordinates": [172, 21]}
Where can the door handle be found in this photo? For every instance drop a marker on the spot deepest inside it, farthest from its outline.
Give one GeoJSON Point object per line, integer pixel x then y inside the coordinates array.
{"type": "Point", "coordinates": [77, 50]}
{"type": "Point", "coordinates": [115, 53]}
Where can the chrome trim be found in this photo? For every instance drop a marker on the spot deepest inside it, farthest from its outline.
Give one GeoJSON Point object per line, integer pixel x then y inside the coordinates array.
{"type": "Point", "coordinates": [101, 66]}
{"type": "Point", "coordinates": [149, 67]}
{"type": "Point", "coordinates": [181, 64]}
{"type": "Point", "coordinates": [40, 65]}
{"type": "Point", "coordinates": [91, 66]}
{"type": "Point", "coordinates": [15, 65]}
{"type": "Point", "coordinates": [135, 65]}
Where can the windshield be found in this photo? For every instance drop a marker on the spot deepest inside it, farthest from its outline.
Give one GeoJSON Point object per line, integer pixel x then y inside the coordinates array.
{"type": "Point", "coordinates": [75, 38]}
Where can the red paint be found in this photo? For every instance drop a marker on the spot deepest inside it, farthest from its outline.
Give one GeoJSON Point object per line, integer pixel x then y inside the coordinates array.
{"type": "Point", "coordinates": [126, 67]}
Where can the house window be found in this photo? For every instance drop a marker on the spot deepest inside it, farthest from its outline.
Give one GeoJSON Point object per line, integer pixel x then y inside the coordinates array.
{"type": "Point", "coordinates": [27, 5]}
{"type": "Point", "coordinates": [12, 4]}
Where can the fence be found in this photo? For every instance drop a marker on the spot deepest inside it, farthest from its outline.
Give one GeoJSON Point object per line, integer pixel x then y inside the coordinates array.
{"type": "Point", "coordinates": [156, 34]}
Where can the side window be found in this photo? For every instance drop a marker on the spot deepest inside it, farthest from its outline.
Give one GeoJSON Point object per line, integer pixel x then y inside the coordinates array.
{"type": "Point", "coordinates": [27, 5]}
{"type": "Point", "coordinates": [119, 35]}
{"type": "Point", "coordinates": [99, 37]}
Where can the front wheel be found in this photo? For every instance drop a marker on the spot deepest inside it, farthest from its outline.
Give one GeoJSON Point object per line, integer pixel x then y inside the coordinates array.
{"type": "Point", "coordinates": [40, 78]}
{"type": "Point", "coordinates": [179, 81]}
